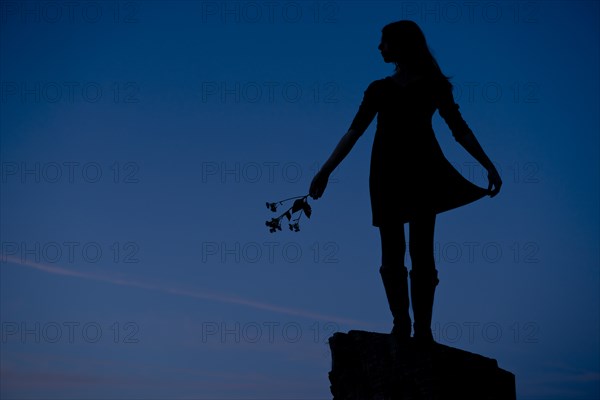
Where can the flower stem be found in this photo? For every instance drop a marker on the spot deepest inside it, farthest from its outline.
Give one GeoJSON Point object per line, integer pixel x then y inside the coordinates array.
{"type": "Point", "coordinates": [293, 198]}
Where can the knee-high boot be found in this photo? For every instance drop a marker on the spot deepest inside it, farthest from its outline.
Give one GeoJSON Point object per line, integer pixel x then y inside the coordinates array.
{"type": "Point", "coordinates": [395, 282]}
{"type": "Point", "coordinates": [422, 291]}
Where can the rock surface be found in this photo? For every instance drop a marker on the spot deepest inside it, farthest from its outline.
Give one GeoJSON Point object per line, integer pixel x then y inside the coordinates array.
{"type": "Point", "coordinates": [369, 366]}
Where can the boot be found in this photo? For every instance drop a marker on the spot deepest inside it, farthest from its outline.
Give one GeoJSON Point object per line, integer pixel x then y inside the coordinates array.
{"type": "Point", "coordinates": [395, 282]}
{"type": "Point", "coordinates": [422, 290]}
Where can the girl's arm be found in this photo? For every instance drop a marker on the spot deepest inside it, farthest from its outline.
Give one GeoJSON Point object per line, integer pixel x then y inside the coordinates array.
{"type": "Point", "coordinates": [346, 143]}
{"type": "Point", "coordinates": [470, 143]}
{"type": "Point", "coordinates": [449, 111]}
{"type": "Point", "coordinates": [363, 118]}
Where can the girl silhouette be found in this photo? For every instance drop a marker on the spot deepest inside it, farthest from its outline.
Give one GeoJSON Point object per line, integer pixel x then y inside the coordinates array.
{"type": "Point", "coordinates": [410, 178]}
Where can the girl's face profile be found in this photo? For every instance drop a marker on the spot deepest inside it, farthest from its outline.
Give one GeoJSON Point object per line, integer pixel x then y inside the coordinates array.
{"type": "Point", "coordinates": [385, 52]}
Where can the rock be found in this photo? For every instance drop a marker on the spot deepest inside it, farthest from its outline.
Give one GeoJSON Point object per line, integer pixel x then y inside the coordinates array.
{"type": "Point", "coordinates": [369, 366]}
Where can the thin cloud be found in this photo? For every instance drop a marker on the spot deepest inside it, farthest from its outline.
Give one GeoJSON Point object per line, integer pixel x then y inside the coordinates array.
{"type": "Point", "coordinates": [178, 291]}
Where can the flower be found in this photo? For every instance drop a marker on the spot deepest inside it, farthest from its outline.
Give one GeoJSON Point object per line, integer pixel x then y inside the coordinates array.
{"type": "Point", "coordinates": [300, 206]}
{"type": "Point", "coordinates": [274, 224]}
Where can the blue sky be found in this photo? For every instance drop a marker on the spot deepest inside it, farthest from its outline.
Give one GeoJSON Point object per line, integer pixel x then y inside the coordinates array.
{"type": "Point", "coordinates": [140, 141]}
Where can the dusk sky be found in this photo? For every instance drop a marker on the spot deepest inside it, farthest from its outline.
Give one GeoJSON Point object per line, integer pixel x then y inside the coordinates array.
{"type": "Point", "coordinates": [140, 141]}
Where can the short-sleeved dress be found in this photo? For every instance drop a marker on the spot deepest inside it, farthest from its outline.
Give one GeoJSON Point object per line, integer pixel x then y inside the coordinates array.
{"type": "Point", "coordinates": [409, 174]}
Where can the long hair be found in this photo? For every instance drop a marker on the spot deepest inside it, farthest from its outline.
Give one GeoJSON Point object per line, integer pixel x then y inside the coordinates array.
{"type": "Point", "coordinates": [409, 46]}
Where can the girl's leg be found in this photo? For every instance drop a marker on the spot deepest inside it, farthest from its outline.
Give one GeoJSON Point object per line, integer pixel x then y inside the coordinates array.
{"type": "Point", "coordinates": [393, 246]}
{"type": "Point", "coordinates": [421, 236]}
{"type": "Point", "coordinates": [423, 276]}
{"type": "Point", "coordinates": [395, 278]}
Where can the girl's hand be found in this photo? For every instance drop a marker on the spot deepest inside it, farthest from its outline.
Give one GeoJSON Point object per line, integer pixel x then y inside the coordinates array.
{"type": "Point", "coordinates": [494, 181]}
{"type": "Point", "coordinates": [318, 184]}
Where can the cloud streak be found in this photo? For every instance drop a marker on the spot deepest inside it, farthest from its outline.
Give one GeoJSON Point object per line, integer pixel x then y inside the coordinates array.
{"type": "Point", "coordinates": [179, 291]}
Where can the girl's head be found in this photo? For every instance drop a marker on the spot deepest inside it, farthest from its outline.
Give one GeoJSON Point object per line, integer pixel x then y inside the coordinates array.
{"type": "Point", "coordinates": [404, 44]}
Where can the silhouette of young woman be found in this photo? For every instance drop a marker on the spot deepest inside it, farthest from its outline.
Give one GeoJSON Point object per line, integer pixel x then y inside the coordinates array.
{"type": "Point", "coordinates": [410, 178]}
